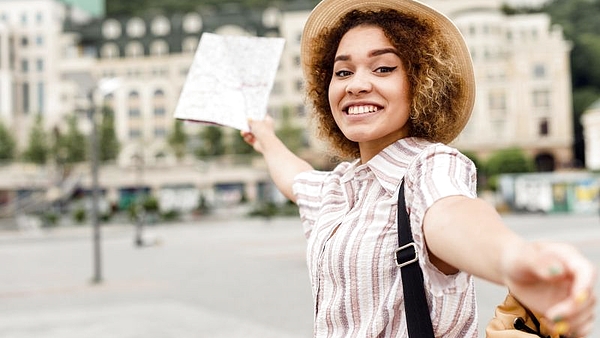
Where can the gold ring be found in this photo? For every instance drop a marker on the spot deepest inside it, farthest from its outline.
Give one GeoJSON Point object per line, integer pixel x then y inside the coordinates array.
{"type": "Point", "coordinates": [561, 328]}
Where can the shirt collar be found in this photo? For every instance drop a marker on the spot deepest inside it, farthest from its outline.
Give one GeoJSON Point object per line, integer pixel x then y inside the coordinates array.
{"type": "Point", "coordinates": [390, 165]}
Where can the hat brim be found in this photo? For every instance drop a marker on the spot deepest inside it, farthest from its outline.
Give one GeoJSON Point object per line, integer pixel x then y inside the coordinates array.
{"type": "Point", "coordinates": [328, 12]}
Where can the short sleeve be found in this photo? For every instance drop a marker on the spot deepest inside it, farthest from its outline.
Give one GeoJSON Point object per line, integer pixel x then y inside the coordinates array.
{"type": "Point", "coordinates": [308, 188]}
{"type": "Point", "coordinates": [439, 171]}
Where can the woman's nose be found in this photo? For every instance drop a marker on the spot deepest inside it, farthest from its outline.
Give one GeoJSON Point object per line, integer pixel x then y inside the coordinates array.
{"type": "Point", "coordinates": [358, 83]}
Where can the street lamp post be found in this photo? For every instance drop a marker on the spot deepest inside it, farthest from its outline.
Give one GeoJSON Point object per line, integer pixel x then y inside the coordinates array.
{"type": "Point", "coordinates": [97, 278]}
{"type": "Point", "coordinates": [93, 90]}
{"type": "Point", "coordinates": [139, 199]}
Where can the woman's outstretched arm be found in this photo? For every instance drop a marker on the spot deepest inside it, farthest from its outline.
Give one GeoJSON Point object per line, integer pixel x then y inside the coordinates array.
{"type": "Point", "coordinates": [283, 165]}
{"type": "Point", "coordinates": [551, 278]}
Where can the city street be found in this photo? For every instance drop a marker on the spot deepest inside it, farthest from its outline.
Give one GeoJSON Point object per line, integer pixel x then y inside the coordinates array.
{"type": "Point", "coordinates": [214, 277]}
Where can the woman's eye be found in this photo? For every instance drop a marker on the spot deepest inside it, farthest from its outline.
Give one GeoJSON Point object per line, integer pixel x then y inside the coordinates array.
{"type": "Point", "coordinates": [385, 69]}
{"type": "Point", "coordinates": [343, 73]}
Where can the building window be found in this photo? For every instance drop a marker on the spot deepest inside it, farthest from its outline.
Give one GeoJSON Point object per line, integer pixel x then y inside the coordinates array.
{"type": "Point", "coordinates": [159, 103]}
{"type": "Point", "coordinates": [109, 101]}
{"type": "Point", "coordinates": [160, 132]}
{"type": "Point", "coordinates": [134, 104]}
{"type": "Point", "coordinates": [160, 26]}
{"type": "Point", "coordinates": [134, 112]}
{"type": "Point", "coordinates": [24, 65]}
{"type": "Point", "coordinates": [109, 51]}
{"type": "Point", "coordinates": [159, 47]}
{"type": "Point", "coordinates": [544, 129]}
{"type": "Point", "coordinates": [135, 133]}
{"type": "Point", "coordinates": [39, 17]}
{"type": "Point", "coordinates": [301, 110]}
{"type": "Point", "coordinates": [299, 85]}
{"type": "Point", "coordinates": [192, 23]}
{"type": "Point", "coordinates": [539, 71]}
{"type": "Point", "coordinates": [111, 29]}
{"type": "Point", "coordinates": [90, 51]}
{"type": "Point", "coordinates": [541, 98]}
{"type": "Point", "coordinates": [25, 97]}
{"type": "Point", "coordinates": [39, 40]}
{"type": "Point", "coordinates": [160, 71]}
{"type": "Point", "coordinates": [40, 92]}
{"type": "Point", "coordinates": [24, 41]}
{"type": "Point", "coordinates": [136, 28]}
{"type": "Point", "coordinates": [134, 49]}
{"type": "Point", "coordinates": [189, 44]}
{"type": "Point", "coordinates": [40, 65]}
{"type": "Point", "coordinates": [24, 19]}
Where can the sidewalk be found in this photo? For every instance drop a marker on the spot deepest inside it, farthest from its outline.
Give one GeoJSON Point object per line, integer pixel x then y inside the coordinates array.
{"type": "Point", "coordinates": [224, 278]}
{"type": "Point", "coordinates": [185, 286]}
{"type": "Point", "coordinates": [152, 319]}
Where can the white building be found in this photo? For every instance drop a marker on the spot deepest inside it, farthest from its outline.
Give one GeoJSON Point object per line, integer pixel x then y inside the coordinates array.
{"type": "Point", "coordinates": [521, 65]}
{"type": "Point", "coordinates": [591, 133]}
{"type": "Point", "coordinates": [30, 59]}
{"type": "Point", "coordinates": [522, 72]}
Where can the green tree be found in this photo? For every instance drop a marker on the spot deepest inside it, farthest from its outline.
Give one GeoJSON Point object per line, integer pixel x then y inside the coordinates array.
{"type": "Point", "coordinates": [178, 139]}
{"type": "Point", "coordinates": [7, 144]}
{"type": "Point", "coordinates": [71, 147]}
{"type": "Point", "coordinates": [508, 161]}
{"type": "Point", "coordinates": [239, 146]}
{"type": "Point", "coordinates": [292, 136]}
{"type": "Point", "coordinates": [211, 142]}
{"type": "Point", "coordinates": [579, 20]}
{"type": "Point", "coordinates": [37, 148]}
{"type": "Point", "coordinates": [109, 143]}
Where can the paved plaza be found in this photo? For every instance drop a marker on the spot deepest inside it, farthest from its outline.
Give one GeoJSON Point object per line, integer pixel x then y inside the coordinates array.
{"type": "Point", "coordinates": [213, 277]}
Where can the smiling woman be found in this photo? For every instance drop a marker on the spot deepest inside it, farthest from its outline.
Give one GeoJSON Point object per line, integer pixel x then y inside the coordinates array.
{"type": "Point", "coordinates": [391, 83]}
{"type": "Point", "coordinates": [443, 86]}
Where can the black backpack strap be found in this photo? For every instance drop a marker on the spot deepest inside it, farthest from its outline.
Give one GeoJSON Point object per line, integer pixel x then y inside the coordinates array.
{"type": "Point", "coordinates": [415, 303]}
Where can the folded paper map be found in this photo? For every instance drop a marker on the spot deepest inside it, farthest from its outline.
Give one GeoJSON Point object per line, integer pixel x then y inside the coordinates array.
{"type": "Point", "coordinates": [230, 80]}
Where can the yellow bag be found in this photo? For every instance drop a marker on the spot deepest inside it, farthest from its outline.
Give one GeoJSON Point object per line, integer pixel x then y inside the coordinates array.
{"type": "Point", "coordinates": [513, 320]}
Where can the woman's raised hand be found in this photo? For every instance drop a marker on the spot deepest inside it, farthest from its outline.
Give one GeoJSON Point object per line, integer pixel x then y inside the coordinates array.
{"type": "Point", "coordinates": [260, 132]}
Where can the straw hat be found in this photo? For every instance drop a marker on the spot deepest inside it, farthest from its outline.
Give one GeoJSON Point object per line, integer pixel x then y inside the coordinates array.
{"type": "Point", "coordinates": [328, 12]}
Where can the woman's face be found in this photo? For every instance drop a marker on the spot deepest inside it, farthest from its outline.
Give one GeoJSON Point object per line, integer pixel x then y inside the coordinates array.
{"type": "Point", "coordinates": [369, 92]}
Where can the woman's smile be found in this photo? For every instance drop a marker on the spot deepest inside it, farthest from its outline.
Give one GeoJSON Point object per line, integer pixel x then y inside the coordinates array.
{"type": "Point", "coordinates": [360, 110]}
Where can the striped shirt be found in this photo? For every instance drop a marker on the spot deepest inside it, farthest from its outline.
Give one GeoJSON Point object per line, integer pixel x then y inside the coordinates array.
{"type": "Point", "coordinates": [349, 219]}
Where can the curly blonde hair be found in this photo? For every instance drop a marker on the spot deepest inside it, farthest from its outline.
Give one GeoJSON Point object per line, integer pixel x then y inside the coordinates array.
{"type": "Point", "coordinates": [435, 84]}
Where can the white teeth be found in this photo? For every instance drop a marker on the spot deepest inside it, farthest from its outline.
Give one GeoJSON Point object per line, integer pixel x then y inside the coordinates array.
{"type": "Point", "coordinates": [357, 110]}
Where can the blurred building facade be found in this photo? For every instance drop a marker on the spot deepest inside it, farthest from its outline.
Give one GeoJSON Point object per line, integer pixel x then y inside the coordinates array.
{"type": "Point", "coordinates": [521, 65]}
{"type": "Point", "coordinates": [591, 132]}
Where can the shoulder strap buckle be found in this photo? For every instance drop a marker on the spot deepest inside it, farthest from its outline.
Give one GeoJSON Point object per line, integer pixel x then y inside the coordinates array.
{"type": "Point", "coordinates": [406, 254]}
